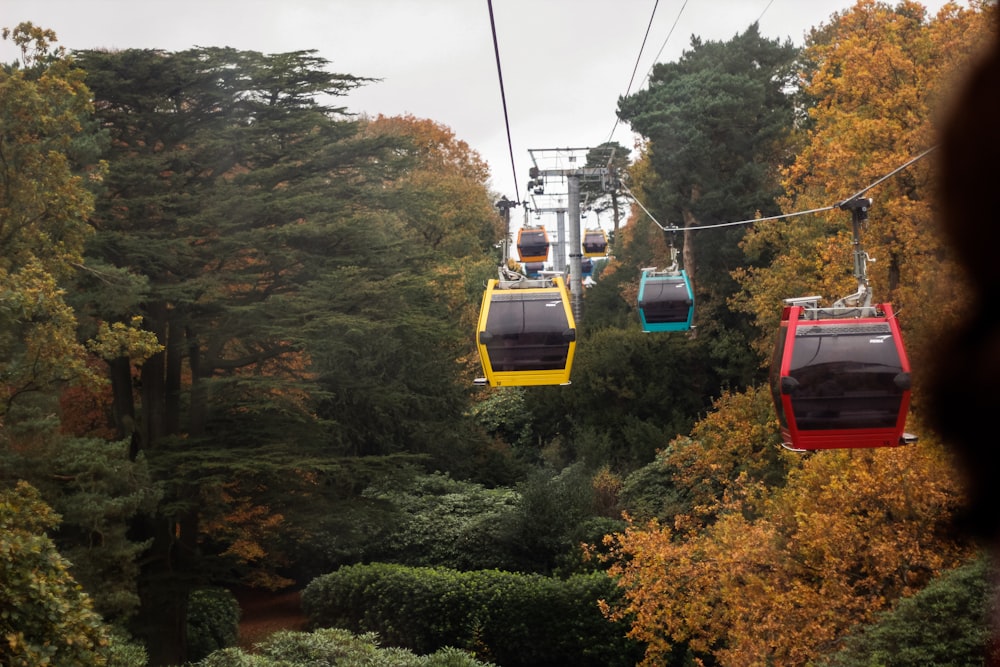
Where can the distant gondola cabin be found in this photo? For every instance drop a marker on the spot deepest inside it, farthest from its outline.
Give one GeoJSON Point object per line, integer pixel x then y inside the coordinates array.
{"type": "Point", "coordinates": [666, 300]}
{"type": "Point", "coordinates": [532, 244]}
{"type": "Point", "coordinates": [840, 378]}
{"type": "Point", "coordinates": [533, 269]}
{"type": "Point", "coordinates": [595, 243]}
{"type": "Point", "coordinates": [526, 334]}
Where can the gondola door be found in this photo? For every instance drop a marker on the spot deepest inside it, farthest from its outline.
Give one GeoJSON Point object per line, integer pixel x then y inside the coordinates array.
{"type": "Point", "coordinates": [840, 378]}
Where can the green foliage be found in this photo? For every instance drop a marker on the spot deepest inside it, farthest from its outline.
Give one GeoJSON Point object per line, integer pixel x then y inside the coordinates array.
{"type": "Point", "coordinates": [336, 648]}
{"type": "Point", "coordinates": [45, 617]}
{"type": "Point", "coordinates": [651, 492]}
{"type": "Point", "coordinates": [213, 621]}
{"type": "Point", "coordinates": [306, 336]}
{"type": "Point", "coordinates": [627, 389]}
{"type": "Point", "coordinates": [505, 413]}
{"type": "Point", "coordinates": [439, 521]}
{"type": "Point", "coordinates": [99, 491]}
{"type": "Point", "coordinates": [513, 619]}
{"type": "Point", "coordinates": [947, 623]}
{"type": "Point", "coordinates": [541, 533]}
{"type": "Point", "coordinates": [44, 206]}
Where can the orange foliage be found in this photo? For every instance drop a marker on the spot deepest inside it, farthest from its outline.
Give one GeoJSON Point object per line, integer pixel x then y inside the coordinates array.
{"type": "Point", "coordinates": [850, 533]}
{"type": "Point", "coordinates": [84, 408]}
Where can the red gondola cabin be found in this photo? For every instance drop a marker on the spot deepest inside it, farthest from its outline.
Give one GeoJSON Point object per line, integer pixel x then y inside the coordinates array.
{"type": "Point", "coordinates": [840, 377]}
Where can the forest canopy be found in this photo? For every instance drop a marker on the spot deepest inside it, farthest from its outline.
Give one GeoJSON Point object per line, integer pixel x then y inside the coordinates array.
{"type": "Point", "coordinates": [237, 326]}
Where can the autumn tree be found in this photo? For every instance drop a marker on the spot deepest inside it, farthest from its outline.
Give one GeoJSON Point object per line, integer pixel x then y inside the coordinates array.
{"type": "Point", "coordinates": [747, 572]}
{"type": "Point", "coordinates": [48, 169]}
{"type": "Point", "coordinates": [876, 75]}
{"type": "Point", "coordinates": [44, 206]}
{"type": "Point", "coordinates": [47, 617]}
{"type": "Point", "coordinates": [782, 574]}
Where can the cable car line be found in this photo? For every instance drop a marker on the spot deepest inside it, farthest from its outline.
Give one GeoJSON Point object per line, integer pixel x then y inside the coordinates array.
{"type": "Point", "coordinates": [635, 68]}
{"type": "Point", "coordinates": [667, 39]}
{"type": "Point", "coordinates": [503, 96]}
{"type": "Point", "coordinates": [890, 174]}
{"type": "Point", "coordinates": [840, 204]}
{"type": "Point", "coordinates": [770, 2]}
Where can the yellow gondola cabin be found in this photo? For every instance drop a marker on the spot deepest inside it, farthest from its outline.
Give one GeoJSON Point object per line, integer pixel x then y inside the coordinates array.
{"type": "Point", "coordinates": [526, 334]}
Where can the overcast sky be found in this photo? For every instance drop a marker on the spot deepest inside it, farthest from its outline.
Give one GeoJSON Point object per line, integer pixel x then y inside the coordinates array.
{"type": "Point", "coordinates": [564, 63]}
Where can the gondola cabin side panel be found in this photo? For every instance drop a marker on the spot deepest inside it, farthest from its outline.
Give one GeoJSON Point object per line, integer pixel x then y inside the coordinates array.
{"type": "Point", "coordinates": [840, 381]}
{"type": "Point", "coordinates": [666, 301]}
{"type": "Point", "coordinates": [526, 335]}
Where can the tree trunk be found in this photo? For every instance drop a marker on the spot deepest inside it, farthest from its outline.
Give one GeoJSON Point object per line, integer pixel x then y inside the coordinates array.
{"type": "Point", "coordinates": [153, 378]}
{"type": "Point", "coordinates": [123, 406]}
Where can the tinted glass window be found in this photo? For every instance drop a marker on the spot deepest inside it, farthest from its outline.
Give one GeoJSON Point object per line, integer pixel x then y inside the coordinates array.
{"type": "Point", "coordinates": [528, 331]}
{"type": "Point", "coordinates": [533, 244]}
{"type": "Point", "coordinates": [849, 376]}
{"type": "Point", "coordinates": [665, 300]}
{"type": "Point", "coordinates": [595, 243]}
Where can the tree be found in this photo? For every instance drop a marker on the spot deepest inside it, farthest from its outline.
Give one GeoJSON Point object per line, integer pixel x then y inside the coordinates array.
{"type": "Point", "coordinates": [715, 123]}
{"type": "Point", "coordinates": [945, 623]}
{"type": "Point", "coordinates": [782, 574]}
{"type": "Point", "coordinates": [47, 174]}
{"type": "Point", "coordinates": [283, 269]}
{"type": "Point", "coordinates": [47, 618]}
{"type": "Point", "coordinates": [44, 205]}
{"type": "Point", "coordinates": [443, 198]}
{"type": "Point", "coordinates": [606, 194]}
{"type": "Point", "coordinates": [875, 75]}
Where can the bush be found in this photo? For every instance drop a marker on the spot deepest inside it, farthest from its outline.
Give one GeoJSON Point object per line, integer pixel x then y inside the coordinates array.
{"type": "Point", "coordinates": [947, 623]}
{"type": "Point", "coordinates": [334, 647]}
{"type": "Point", "coordinates": [46, 617]}
{"type": "Point", "coordinates": [516, 620]}
{"type": "Point", "coordinates": [213, 621]}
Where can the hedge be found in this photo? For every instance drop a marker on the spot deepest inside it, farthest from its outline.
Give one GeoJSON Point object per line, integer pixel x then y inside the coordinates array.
{"type": "Point", "coordinates": [514, 620]}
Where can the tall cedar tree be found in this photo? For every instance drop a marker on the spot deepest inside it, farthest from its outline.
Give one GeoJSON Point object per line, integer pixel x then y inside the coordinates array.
{"type": "Point", "coordinates": [284, 293]}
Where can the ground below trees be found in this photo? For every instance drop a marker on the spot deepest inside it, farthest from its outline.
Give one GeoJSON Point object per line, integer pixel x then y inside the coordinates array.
{"type": "Point", "coordinates": [264, 612]}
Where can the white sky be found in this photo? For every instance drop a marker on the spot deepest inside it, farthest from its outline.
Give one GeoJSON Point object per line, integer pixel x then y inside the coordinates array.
{"type": "Point", "coordinates": [564, 63]}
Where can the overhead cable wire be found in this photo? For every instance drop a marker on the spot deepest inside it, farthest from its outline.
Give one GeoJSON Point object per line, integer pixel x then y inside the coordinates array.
{"type": "Point", "coordinates": [503, 96]}
{"type": "Point", "coordinates": [635, 68]}
{"type": "Point", "coordinates": [674, 228]}
{"type": "Point", "coordinates": [770, 2]}
{"type": "Point", "coordinates": [891, 173]}
{"type": "Point", "coordinates": [667, 39]}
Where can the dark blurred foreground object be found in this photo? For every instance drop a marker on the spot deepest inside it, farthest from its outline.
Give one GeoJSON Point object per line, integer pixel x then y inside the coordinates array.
{"type": "Point", "coordinates": [965, 381]}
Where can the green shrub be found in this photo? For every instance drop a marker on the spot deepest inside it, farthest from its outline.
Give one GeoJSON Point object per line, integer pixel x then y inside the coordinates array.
{"type": "Point", "coordinates": [334, 646]}
{"type": "Point", "coordinates": [946, 623]}
{"type": "Point", "coordinates": [513, 619]}
{"type": "Point", "coordinates": [45, 617]}
{"type": "Point", "coordinates": [213, 621]}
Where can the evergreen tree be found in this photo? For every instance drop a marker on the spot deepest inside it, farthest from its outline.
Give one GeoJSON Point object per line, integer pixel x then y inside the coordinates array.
{"type": "Point", "coordinates": [288, 297]}
{"type": "Point", "coordinates": [716, 123]}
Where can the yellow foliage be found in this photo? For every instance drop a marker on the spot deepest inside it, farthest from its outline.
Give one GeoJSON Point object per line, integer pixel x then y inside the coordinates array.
{"type": "Point", "coordinates": [125, 340]}
{"type": "Point", "coordinates": [851, 532]}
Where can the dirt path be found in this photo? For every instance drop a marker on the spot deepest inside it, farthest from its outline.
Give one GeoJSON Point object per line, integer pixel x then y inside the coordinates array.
{"type": "Point", "coordinates": [264, 612]}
